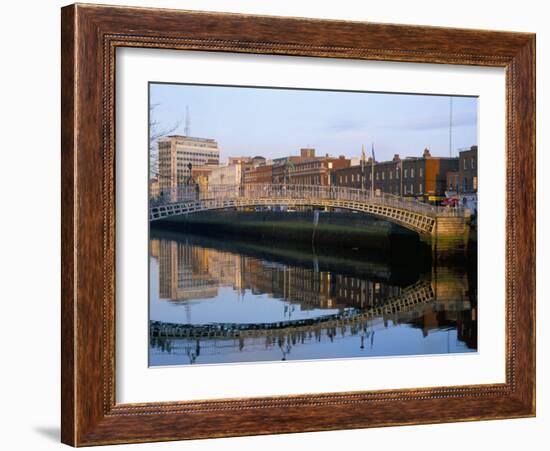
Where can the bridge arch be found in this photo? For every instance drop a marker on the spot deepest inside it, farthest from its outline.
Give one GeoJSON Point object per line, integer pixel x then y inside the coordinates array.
{"type": "Point", "coordinates": [416, 222]}
{"type": "Point", "coordinates": [413, 215]}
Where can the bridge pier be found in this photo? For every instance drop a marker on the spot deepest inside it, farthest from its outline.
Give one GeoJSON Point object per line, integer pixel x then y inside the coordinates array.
{"type": "Point", "coordinates": [450, 237]}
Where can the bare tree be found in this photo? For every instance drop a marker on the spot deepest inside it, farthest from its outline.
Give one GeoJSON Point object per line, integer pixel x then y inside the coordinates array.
{"type": "Point", "coordinates": [156, 131]}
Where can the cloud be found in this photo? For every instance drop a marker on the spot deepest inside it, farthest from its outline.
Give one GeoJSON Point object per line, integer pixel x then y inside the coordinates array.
{"type": "Point", "coordinates": [346, 125]}
{"type": "Point", "coordinates": [435, 122]}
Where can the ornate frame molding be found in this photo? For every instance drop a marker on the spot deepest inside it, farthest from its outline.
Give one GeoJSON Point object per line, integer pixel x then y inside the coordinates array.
{"type": "Point", "coordinates": [90, 37]}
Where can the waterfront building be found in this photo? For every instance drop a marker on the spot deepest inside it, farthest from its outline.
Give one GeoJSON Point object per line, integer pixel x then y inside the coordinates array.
{"type": "Point", "coordinates": [259, 174]}
{"type": "Point", "coordinates": [201, 174]}
{"type": "Point", "coordinates": [229, 174]}
{"type": "Point", "coordinates": [352, 175]}
{"type": "Point", "coordinates": [248, 164]}
{"type": "Point", "coordinates": [424, 178]}
{"type": "Point", "coordinates": [467, 170]}
{"type": "Point", "coordinates": [467, 178]}
{"type": "Point", "coordinates": [177, 156]}
{"type": "Point", "coordinates": [462, 183]}
{"type": "Point", "coordinates": [315, 170]}
{"type": "Point", "coordinates": [306, 169]}
{"type": "Point", "coordinates": [387, 176]}
{"type": "Point", "coordinates": [154, 188]}
{"type": "Point", "coordinates": [239, 160]}
{"type": "Point", "coordinates": [258, 161]}
{"type": "Point", "coordinates": [452, 183]}
{"type": "Point", "coordinates": [283, 165]}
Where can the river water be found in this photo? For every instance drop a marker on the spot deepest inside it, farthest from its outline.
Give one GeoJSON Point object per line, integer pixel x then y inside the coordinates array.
{"type": "Point", "coordinates": [286, 302]}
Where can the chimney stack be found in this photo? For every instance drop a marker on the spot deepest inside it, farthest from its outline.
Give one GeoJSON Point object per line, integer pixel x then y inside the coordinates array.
{"type": "Point", "coordinates": [307, 152]}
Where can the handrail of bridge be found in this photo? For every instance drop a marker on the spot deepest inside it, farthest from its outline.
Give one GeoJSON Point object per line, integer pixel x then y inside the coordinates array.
{"type": "Point", "coordinates": [188, 193]}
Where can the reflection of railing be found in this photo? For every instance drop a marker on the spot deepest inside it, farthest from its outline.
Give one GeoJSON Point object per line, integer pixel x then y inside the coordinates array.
{"type": "Point", "coordinates": [416, 294]}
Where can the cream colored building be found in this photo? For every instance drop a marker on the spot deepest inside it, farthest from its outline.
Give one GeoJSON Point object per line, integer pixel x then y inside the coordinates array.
{"type": "Point", "coordinates": [176, 153]}
{"type": "Point", "coordinates": [230, 174]}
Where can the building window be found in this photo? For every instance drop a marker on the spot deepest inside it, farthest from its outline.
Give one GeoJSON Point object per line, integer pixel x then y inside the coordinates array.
{"type": "Point", "coordinates": [412, 189]}
{"type": "Point", "coordinates": [475, 183]}
{"type": "Point", "coordinates": [377, 176]}
{"type": "Point", "coordinates": [383, 175]}
{"type": "Point", "coordinates": [420, 173]}
{"type": "Point", "coordinates": [405, 175]}
{"type": "Point", "coordinates": [412, 173]}
{"type": "Point", "coordinates": [391, 175]}
{"type": "Point", "coordinates": [473, 164]}
{"type": "Point", "coordinates": [464, 164]}
{"type": "Point", "coordinates": [420, 188]}
{"type": "Point", "coordinates": [397, 173]}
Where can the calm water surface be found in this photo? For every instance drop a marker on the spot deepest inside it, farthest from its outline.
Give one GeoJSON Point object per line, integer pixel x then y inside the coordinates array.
{"type": "Point", "coordinates": [301, 303]}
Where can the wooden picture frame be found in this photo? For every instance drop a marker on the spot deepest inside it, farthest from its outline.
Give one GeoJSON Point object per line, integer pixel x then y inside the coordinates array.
{"type": "Point", "coordinates": [90, 36]}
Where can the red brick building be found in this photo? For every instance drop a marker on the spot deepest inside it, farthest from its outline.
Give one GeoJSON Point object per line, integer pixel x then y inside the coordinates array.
{"type": "Point", "coordinates": [424, 178]}
{"type": "Point", "coordinates": [259, 174]}
{"type": "Point", "coordinates": [316, 171]}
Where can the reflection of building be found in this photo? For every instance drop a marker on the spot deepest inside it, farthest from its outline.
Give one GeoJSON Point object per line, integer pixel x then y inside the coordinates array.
{"type": "Point", "coordinates": [155, 248]}
{"type": "Point", "coordinates": [361, 293]}
{"type": "Point", "coordinates": [178, 154]}
{"type": "Point", "coordinates": [190, 272]}
{"type": "Point", "coordinates": [183, 272]}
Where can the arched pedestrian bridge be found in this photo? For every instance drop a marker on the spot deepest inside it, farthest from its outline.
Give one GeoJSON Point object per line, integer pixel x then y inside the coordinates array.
{"type": "Point", "coordinates": [425, 219]}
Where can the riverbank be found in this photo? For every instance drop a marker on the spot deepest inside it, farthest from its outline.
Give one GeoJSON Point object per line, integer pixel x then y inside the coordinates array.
{"type": "Point", "coordinates": [342, 230]}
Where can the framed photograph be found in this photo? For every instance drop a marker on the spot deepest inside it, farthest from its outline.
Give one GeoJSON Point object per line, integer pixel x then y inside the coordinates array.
{"type": "Point", "coordinates": [266, 219]}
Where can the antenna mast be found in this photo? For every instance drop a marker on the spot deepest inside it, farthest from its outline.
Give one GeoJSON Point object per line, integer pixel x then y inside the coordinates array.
{"type": "Point", "coordinates": [187, 121]}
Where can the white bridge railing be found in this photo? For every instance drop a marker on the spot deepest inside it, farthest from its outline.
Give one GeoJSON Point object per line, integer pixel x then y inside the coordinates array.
{"type": "Point", "coordinates": [311, 193]}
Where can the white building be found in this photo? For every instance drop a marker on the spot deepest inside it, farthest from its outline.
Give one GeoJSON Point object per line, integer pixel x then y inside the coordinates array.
{"type": "Point", "coordinates": [176, 153]}
{"type": "Point", "coordinates": [230, 174]}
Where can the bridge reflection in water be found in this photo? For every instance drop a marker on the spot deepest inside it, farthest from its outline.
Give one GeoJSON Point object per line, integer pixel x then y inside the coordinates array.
{"type": "Point", "coordinates": [215, 301]}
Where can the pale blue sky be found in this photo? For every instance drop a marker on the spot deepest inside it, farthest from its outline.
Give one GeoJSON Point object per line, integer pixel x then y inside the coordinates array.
{"type": "Point", "coordinates": [277, 122]}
